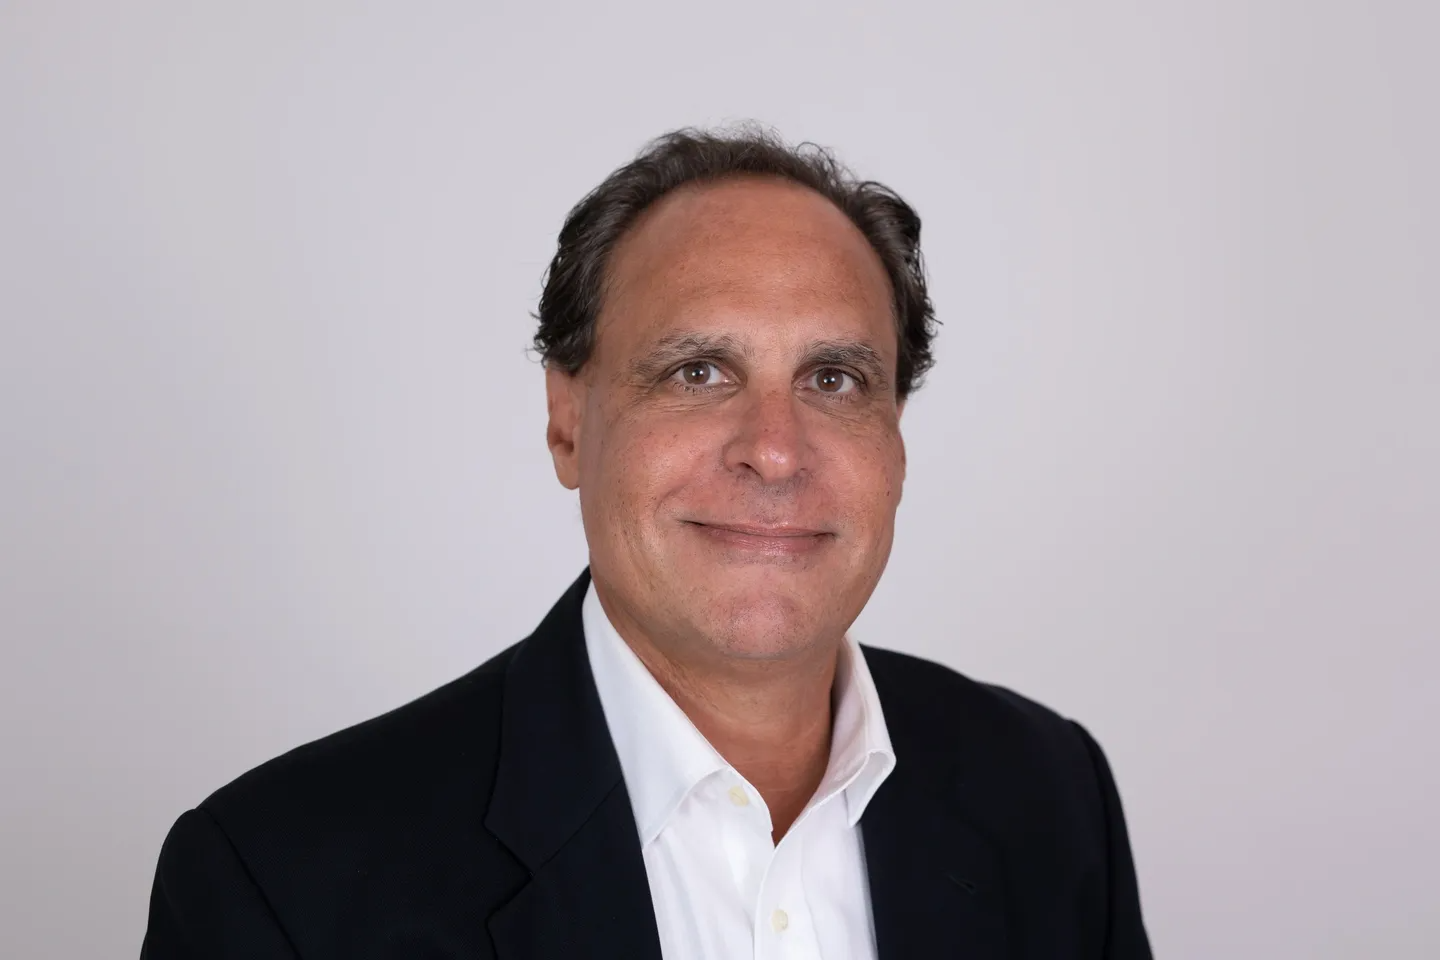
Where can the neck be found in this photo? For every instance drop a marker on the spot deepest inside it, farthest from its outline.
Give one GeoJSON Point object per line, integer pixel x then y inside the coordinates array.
{"type": "Point", "coordinates": [769, 719]}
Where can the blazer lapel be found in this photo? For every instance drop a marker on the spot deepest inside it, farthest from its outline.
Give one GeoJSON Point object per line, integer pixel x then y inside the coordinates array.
{"type": "Point", "coordinates": [936, 883]}
{"type": "Point", "coordinates": [592, 899]}
{"type": "Point", "coordinates": [561, 807]}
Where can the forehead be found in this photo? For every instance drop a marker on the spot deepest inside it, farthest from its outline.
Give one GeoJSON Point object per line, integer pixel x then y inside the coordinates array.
{"type": "Point", "coordinates": [758, 255]}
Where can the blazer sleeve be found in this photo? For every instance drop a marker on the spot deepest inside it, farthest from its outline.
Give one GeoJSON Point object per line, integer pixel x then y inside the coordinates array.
{"type": "Point", "coordinates": [205, 904]}
{"type": "Point", "coordinates": [1125, 930]}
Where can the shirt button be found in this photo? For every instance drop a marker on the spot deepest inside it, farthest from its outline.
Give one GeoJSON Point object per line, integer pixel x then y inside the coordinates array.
{"type": "Point", "coordinates": [739, 797]}
{"type": "Point", "coordinates": [779, 920]}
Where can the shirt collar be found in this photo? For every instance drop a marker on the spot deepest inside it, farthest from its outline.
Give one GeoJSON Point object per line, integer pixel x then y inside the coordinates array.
{"type": "Point", "coordinates": [664, 757]}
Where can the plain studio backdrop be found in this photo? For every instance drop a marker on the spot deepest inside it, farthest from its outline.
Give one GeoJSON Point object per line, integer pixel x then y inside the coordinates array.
{"type": "Point", "coordinates": [273, 449]}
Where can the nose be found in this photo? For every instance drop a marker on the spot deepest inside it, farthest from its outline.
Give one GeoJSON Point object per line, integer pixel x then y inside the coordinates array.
{"type": "Point", "coordinates": [769, 441]}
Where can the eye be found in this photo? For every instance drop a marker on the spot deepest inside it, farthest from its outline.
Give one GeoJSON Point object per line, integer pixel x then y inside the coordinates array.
{"type": "Point", "coordinates": [833, 380]}
{"type": "Point", "coordinates": [699, 373]}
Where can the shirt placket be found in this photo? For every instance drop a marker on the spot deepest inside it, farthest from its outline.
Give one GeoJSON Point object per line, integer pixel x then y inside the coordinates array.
{"type": "Point", "coordinates": [784, 928]}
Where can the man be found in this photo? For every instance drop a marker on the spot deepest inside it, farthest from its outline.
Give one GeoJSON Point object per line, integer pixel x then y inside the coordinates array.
{"type": "Point", "coordinates": [688, 759]}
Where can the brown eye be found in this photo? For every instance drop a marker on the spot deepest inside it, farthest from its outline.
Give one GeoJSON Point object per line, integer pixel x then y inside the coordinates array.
{"type": "Point", "coordinates": [700, 373]}
{"type": "Point", "coordinates": [831, 380]}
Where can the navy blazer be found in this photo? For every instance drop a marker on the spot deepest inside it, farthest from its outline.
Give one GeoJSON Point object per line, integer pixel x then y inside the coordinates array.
{"type": "Point", "coordinates": [489, 819]}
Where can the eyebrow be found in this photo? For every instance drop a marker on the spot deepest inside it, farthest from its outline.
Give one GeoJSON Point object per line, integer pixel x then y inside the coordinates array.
{"type": "Point", "coordinates": [679, 347]}
{"type": "Point", "coordinates": [849, 353]}
{"type": "Point", "coordinates": [676, 348]}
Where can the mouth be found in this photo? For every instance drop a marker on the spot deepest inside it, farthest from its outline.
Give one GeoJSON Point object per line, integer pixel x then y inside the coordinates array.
{"type": "Point", "coordinates": [777, 540]}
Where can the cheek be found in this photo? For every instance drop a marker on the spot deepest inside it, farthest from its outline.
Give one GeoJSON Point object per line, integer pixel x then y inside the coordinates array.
{"type": "Point", "coordinates": [870, 473]}
{"type": "Point", "coordinates": [644, 463]}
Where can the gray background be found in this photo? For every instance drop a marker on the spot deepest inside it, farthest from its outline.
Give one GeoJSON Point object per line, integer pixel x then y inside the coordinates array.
{"type": "Point", "coordinates": [273, 454]}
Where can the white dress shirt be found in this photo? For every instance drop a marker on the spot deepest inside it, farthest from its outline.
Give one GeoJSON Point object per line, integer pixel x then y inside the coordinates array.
{"type": "Point", "coordinates": [722, 890]}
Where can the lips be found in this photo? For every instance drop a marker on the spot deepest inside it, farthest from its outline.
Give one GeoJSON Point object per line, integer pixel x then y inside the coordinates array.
{"type": "Point", "coordinates": [768, 531]}
{"type": "Point", "coordinates": [771, 540]}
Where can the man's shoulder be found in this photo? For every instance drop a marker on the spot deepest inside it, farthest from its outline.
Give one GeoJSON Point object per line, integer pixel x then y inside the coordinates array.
{"type": "Point", "coordinates": [956, 715]}
{"type": "Point", "coordinates": [370, 814]}
{"type": "Point", "coordinates": [445, 742]}
{"type": "Point", "coordinates": [945, 690]}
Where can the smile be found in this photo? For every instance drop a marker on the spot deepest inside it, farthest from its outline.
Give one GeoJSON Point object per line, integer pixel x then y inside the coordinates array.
{"type": "Point", "coordinates": [760, 539]}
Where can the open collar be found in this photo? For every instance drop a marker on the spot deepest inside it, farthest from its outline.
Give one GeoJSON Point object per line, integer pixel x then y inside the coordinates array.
{"type": "Point", "coordinates": [664, 757]}
{"type": "Point", "coordinates": [560, 805]}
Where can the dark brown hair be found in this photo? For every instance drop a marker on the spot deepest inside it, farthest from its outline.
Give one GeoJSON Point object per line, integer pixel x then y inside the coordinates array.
{"type": "Point", "coordinates": [576, 278]}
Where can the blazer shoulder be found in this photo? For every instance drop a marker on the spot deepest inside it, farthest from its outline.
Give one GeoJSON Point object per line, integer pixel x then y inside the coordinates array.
{"type": "Point", "coordinates": [930, 704]}
{"type": "Point", "coordinates": [1035, 786]}
{"type": "Point", "coordinates": [359, 822]}
{"type": "Point", "coordinates": [945, 690]}
{"type": "Point", "coordinates": [448, 737]}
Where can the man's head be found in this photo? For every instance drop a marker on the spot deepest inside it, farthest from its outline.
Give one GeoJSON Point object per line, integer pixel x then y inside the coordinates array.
{"type": "Point", "coordinates": [730, 329]}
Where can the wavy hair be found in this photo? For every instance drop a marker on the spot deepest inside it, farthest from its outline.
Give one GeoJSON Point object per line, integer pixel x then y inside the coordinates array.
{"type": "Point", "coordinates": [575, 281]}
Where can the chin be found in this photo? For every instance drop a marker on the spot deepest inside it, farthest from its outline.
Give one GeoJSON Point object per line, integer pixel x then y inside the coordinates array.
{"type": "Point", "coordinates": [763, 625]}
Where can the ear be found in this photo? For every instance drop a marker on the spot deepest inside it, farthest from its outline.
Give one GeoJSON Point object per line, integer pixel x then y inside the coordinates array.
{"type": "Point", "coordinates": [565, 400]}
{"type": "Point", "coordinates": [900, 412]}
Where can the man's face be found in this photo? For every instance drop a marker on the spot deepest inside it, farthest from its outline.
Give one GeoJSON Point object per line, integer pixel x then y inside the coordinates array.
{"type": "Point", "coordinates": [735, 434]}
